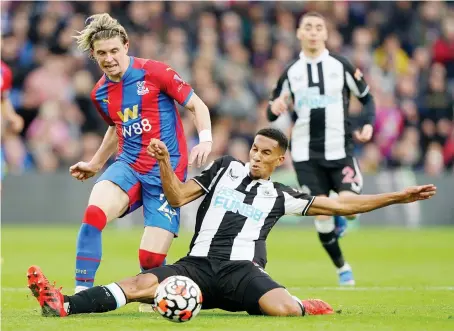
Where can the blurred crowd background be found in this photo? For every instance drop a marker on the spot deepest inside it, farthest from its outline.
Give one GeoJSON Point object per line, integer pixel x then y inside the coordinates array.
{"type": "Point", "coordinates": [232, 53]}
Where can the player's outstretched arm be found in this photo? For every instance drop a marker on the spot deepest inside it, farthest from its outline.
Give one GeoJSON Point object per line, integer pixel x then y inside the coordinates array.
{"type": "Point", "coordinates": [354, 204]}
{"type": "Point", "coordinates": [177, 193]}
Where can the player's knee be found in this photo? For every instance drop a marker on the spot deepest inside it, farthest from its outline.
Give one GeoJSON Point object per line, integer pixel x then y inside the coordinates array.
{"type": "Point", "coordinates": [145, 281]}
{"type": "Point", "coordinates": [288, 308]}
{"type": "Point", "coordinates": [278, 302]}
{"type": "Point", "coordinates": [140, 286]}
{"type": "Point", "coordinates": [95, 216]}
{"type": "Point", "coordinates": [149, 260]}
{"type": "Point", "coordinates": [110, 198]}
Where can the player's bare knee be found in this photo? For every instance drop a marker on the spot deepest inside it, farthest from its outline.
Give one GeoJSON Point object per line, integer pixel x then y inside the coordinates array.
{"type": "Point", "coordinates": [140, 286]}
{"type": "Point", "coordinates": [156, 240]}
{"type": "Point", "coordinates": [286, 308]}
{"type": "Point", "coordinates": [278, 302]}
{"type": "Point", "coordinates": [146, 281]}
{"type": "Point", "coordinates": [110, 198]}
{"type": "Point", "coordinates": [289, 308]}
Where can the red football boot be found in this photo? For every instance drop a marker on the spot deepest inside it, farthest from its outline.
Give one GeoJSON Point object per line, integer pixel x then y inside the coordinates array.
{"type": "Point", "coordinates": [50, 298]}
{"type": "Point", "coordinates": [317, 307]}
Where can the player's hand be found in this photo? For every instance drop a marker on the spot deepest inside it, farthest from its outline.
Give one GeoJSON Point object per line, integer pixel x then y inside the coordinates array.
{"type": "Point", "coordinates": [416, 193]}
{"type": "Point", "coordinates": [200, 153]}
{"type": "Point", "coordinates": [158, 149]}
{"type": "Point", "coordinates": [280, 105]}
{"type": "Point", "coordinates": [365, 134]}
{"type": "Point", "coordinates": [83, 170]}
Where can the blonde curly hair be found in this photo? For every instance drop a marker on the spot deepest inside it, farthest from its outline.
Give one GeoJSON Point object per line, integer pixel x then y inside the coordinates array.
{"type": "Point", "coordinates": [100, 27]}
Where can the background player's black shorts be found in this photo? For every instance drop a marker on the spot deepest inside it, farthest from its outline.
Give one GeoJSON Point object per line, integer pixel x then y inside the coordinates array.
{"type": "Point", "coordinates": [227, 285]}
{"type": "Point", "coordinates": [322, 176]}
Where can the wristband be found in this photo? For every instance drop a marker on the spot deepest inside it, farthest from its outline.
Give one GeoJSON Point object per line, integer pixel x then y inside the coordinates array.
{"type": "Point", "coordinates": [205, 135]}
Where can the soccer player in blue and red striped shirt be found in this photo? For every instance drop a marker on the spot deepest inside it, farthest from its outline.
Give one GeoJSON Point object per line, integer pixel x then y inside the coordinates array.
{"type": "Point", "coordinates": [136, 97]}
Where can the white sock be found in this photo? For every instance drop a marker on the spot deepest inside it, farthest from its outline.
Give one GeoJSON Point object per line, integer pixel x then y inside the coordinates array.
{"type": "Point", "coordinates": [300, 303]}
{"type": "Point", "coordinates": [346, 267]}
{"type": "Point", "coordinates": [66, 307]}
{"type": "Point", "coordinates": [325, 226]}
{"type": "Point", "coordinates": [118, 294]}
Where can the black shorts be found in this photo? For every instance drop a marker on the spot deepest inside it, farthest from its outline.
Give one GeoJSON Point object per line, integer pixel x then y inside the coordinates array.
{"type": "Point", "coordinates": [322, 176]}
{"type": "Point", "coordinates": [227, 285]}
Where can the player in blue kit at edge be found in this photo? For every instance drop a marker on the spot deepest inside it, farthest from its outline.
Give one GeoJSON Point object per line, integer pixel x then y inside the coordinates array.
{"type": "Point", "coordinates": [136, 97]}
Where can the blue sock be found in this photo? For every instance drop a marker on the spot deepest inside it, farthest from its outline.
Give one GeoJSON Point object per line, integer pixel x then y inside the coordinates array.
{"type": "Point", "coordinates": [341, 225]}
{"type": "Point", "coordinates": [339, 220]}
{"type": "Point", "coordinates": [88, 255]}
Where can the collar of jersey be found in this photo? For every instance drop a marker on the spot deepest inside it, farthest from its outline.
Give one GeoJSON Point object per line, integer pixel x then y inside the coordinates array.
{"type": "Point", "coordinates": [318, 59]}
{"type": "Point", "coordinates": [261, 181]}
{"type": "Point", "coordinates": [126, 74]}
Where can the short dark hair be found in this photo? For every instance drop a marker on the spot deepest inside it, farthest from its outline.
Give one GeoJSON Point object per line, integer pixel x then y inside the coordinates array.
{"type": "Point", "coordinates": [277, 135]}
{"type": "Point", "coordinates": [312, 14]}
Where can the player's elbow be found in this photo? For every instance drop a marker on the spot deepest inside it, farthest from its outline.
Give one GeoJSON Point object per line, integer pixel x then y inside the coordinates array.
{"type": "Point", "coordinates": [344, 209]}
{"type": "Point", "coordinates": [196, 105]}
{"type": "Point", "coordinates": [334, 207]}
{"type": "Point", "coordinates": [176, 202]}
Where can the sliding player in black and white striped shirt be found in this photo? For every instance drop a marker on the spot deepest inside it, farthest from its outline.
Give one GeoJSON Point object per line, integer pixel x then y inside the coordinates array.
{"type": "Point", "coordinates": [227, 256]}
{"type": "Point", "coordinates": [319, 85]}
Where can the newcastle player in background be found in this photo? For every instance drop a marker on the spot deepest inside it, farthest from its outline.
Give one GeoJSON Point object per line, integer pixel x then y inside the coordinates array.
{"type": "Point", "coordinates": [318, 85]}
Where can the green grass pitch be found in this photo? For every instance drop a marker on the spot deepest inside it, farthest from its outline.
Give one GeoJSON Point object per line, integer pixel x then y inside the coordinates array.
{"type": "Point", "coordinates": [405, 281]}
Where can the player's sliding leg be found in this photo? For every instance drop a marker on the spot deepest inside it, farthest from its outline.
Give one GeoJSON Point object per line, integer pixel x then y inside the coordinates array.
{"type": "Point", "coordinates": [152, 252]}
{"type": "Point", "coordinates": [107, 202]}
{"type": "Point", "coordinates": [279, 302]}
{"type": "Point", "coordinates": [98, 299]}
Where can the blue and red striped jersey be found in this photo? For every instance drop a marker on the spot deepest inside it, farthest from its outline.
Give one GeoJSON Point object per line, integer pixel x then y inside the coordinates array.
{"type": "Point", "coordinates": [142, 107]}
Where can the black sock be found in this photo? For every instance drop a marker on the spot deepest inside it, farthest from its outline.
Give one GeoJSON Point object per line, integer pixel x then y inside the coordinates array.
{"type": "Point", "coordinates": [331, 245]}
{"type": "Point", "coordinates": [97, 299]}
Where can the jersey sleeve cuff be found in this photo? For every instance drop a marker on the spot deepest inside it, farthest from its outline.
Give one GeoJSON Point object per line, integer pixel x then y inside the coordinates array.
{"type": "Point", "coordinates": [200, 184]}
{"type": "Point", "coordinates": [309, 204]}
{"type": "Point", "coordinates": [187, 98]}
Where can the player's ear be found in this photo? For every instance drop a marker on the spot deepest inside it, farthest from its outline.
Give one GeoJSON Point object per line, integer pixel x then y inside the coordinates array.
{"type": "Point", "coordinates": [280, 160]}
{"type": "Point", "coordinates": [126, 45]}
{"type": "Point", "coordinates": [299, 33]}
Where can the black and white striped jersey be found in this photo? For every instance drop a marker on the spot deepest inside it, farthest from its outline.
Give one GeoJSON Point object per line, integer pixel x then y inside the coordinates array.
{"type": "Point", "coordinates": [320, 90]}
{"type": "Point", "coordinates": [238, 212]}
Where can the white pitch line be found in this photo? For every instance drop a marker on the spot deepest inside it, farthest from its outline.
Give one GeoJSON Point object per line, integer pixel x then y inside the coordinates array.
{"type": "Point", "coordinates": [376, 288]}
{"type": "Point", "coordinates": [15, 289]}
{"type": "Point", "coordinates": [349, 288]}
